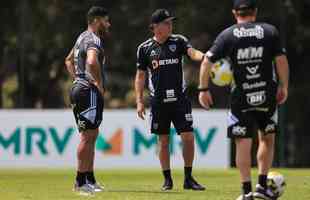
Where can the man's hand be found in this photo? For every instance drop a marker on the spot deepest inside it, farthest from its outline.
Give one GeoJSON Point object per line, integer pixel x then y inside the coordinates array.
{"type": "Point", "coordinates": [139, 87]}
{"type": "Point", "coordinates": [205, 99]}
{"type": "Point", "coordinates": [99, 87]}
{"type": "Point", "coordinates": [141, 110]}
{"type": "Point", "coordinates": [195, 54]}
{"type": "Point", "coordinates": [282, 94]}
{"type": "Point", "coordinates": [283, 73]}
{"type": "Point", "coordinates": [101, 90]}
{"type": "Point", "coordinates": [69, 62]}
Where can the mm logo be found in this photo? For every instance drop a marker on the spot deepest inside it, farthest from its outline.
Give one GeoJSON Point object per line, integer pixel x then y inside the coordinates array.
{"type": "Point", "coordinates": [113, 146]}
{"type": "Point", "coordinates": [34, 138]}
{"type": "Point", "coordinates": [250, 53]}
{"type": "Point", "coordinates": [203, 141]}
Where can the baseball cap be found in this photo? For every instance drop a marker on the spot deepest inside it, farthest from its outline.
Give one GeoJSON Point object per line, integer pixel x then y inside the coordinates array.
{"type": "Point", "coordinates": [244, 4]}
{"type": "Point", "coordinates": [161, 15]}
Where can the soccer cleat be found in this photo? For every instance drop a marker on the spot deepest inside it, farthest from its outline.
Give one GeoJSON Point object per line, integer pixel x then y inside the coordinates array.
{"type": "Point", "coordinates": [168, 185]}
{"type": "Point", "coordinates": [264, 193]}
{"type": "Point", "coordinates": [96, 187]}
{"type": "Point", "coordinates": [84, 190]}
{"type": "Point", "coordinates": [191, 184]}
{"type": "Point", "coordinates": [248, 196]}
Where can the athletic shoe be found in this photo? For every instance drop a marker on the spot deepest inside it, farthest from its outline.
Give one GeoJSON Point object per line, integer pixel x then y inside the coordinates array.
{"type": "Point", "coordinates": [264, 193]}
{"type": "Point", "coordinates": [248, 196]}
{"type": "Point", "coordinates": [168, 185]}
{"type": "Point", "coordinates": [191, 184]}
{"type": "Point", "coordinates": [97, 187]}
{"type": "Point", "coordinates": [85, 190]}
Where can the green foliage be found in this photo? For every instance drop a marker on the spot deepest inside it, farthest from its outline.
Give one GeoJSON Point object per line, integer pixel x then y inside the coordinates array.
{"type": "Point", "coordinates": [46, 31]}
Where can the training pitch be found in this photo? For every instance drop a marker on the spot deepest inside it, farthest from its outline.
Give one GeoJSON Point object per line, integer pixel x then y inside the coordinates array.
{"type": "Point", "coordinates": [42, 184]}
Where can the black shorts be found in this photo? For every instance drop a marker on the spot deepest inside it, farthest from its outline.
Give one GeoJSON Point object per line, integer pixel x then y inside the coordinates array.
{"type": "Point", "coordinates": [179, 113]}
{"type": "Point", "coordinates": [87, 104]}
{"type": "Point", "coordinates": [247, 124]}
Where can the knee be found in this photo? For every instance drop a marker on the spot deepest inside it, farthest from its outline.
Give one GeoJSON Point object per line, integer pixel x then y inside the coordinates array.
{"type": "Point", "coordinates": [88, 140]}
{"type": "Point", "coordinates": [187, 137]}
{"type": "Point", "coordinates": [268, 140]}
{"type": "Point", "coordinates": [163, 142]}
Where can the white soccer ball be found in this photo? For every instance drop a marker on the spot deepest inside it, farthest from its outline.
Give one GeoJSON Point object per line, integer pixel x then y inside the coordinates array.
{"type": "Point", "coordinates": [276, 183]}
{"type": "Point", "coordinates": [221, 73]}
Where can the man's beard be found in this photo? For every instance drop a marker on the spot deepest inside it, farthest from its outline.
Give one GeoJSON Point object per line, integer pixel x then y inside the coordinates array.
{"type": "Point", "coordinates": [103, 32]}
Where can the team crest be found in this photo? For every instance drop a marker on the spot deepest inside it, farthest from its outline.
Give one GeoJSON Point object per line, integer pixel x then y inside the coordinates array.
{"type": "Point", "coordinates": [173, 47]}
{"type": "Point", "coordinates": [153, 53]}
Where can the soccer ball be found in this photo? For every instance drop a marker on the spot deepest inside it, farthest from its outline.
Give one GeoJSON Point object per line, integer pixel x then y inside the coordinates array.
{"type": "Point", "coordinates": [276, 183]}
{"type": "Point", "coordinates": [221, 74]}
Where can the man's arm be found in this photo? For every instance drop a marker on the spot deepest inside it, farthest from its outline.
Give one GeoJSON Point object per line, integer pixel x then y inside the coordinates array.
{"type": "Point", "coordinates": [205, 97]}
{"type": "Point", "coordinates": [69, 62]}
{"type": "Point", "coordinates": [195, 54]}
{"type": "Point", "coordinates": [282, 70]}
{"type": "Point", "coordinates": [204, 73]}
{"type": "Point", "coordinates": [93, 67]}
{"type": "Point", "coordinates": [139, 88]}
{"type": "Point", "coordinates": [283, 74]}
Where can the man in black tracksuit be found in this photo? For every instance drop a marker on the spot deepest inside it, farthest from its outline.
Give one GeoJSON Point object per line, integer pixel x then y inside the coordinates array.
{"type": "Point", "coordinates": [260, 71]}
{"type": "Point", "coordinates": [161, 57]}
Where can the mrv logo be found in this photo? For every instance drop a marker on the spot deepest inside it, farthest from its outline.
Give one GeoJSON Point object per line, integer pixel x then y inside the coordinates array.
{"type": "Point", "coordinates": [50, 140]}
{"type": "Point", "coordinates": [203, 140]}
{"type": "Point", "coordinates": [142, 141]}
{"type": "Point", "coordinates": [38, 139]}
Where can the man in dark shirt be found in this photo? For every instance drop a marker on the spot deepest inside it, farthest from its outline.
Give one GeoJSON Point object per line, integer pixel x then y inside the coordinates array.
{"type": "Point", "coordinates": [161, 58]}
{"type": "Point", "coordinates": [260, 71]}
{"type": "Point", "coordinates": [85, 64]}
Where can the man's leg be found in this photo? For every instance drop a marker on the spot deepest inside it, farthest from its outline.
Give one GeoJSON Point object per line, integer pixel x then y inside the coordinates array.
{"type": "Point", "coordinates": [164, 158]}
{"type": "Point", "coordinates": [82, 99]}
{"type": "Point", "coordinates": [188, 156]}
{"type": "Point", "coordinates": [265, 154]}
{"type": "Point", "coordinates": [188, 152]}
{"type": "Point", "coordinates": [243, 162]}
{"type": "Point", "coordinates": [90, 171]}
{"type": "Point", "coordinates": [97, 101]}
{"type": "Point", "coordinates": [164, 152]}
{"type": "Point", "coordinates": [188, 148]}
{"type": "Point", "coordinates": [85, 154]}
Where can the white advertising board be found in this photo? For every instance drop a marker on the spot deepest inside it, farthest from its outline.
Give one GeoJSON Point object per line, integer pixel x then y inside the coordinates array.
{"type": "Point", "coordinates": [48, 138]}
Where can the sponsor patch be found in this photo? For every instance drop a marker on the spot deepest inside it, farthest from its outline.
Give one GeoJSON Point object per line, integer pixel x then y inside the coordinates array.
{"type": "Point", "coordinates": [239, 130]}
{"type": "Point", "coordinates": [173, 47]}
{"type": "Point", "coordinates": [256, 98]}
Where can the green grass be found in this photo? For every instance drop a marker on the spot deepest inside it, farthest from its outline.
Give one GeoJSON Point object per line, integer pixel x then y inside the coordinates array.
{"type": "Point", "coordinates": [40, 184]}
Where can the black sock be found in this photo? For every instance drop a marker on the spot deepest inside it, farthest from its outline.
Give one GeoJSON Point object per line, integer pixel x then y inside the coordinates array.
{"type": "Point", "coordinates": [90, 177]}
{"type": "Point", "coordinates": [246, 187]}
{"type": "Point", "coordinates": [80, 178]}
{"type": "Point", "coordinates": [167, 174]}
{"type": "Point", "coordinates": [188, 172]}
{"type": "Point", "coordinates": [262, 180]}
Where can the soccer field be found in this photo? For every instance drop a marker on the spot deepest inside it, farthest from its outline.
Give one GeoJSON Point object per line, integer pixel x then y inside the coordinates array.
{"type": "Point", "coordinates": [40, 184]}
